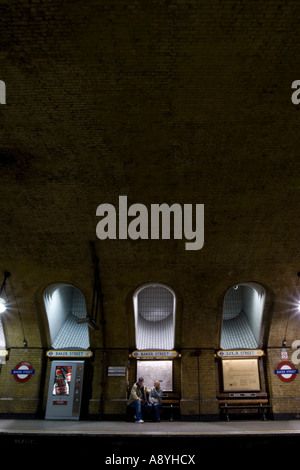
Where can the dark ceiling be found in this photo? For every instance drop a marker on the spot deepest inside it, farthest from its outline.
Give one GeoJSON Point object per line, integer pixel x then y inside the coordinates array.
{"type": "Point", "coordinates": [162, 101]}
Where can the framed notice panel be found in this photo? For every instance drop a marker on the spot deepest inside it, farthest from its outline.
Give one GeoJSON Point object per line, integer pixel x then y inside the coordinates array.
{"type": "Point", "coordinates": [156, 370]}
{"type": "Point", "coordinates": [240, 375]}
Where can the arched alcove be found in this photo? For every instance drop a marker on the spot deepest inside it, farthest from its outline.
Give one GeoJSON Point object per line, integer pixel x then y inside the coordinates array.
{"type": "Point", "coordinates": [2, 336]}
{"type": "Point", "coordinates": [154, 314]}
{"type": "Point", "coordinates": [65, 305]}
{"type": "Point", "coordinates": [242, 316]}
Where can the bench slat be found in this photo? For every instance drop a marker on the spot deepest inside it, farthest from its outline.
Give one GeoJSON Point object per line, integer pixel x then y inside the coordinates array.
{"type": "Point", "coordinates": [242, 395]}
{"type": "Point", "coordinates": [238, 402]}
{"type": "Point", "coordinates": [245, 406]}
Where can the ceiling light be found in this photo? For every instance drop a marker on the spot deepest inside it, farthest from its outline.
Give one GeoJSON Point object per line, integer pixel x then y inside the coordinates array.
{"type": "Point", "coordinates": [2, 305]}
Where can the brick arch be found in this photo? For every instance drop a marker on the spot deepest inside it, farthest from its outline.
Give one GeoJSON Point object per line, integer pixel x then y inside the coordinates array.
{"type": "Point", "coordinates": [65, 304]}
{"type": "Point", "coordinates": [154, 314]}
{"type": "Point", "coordinates": [242, 313]}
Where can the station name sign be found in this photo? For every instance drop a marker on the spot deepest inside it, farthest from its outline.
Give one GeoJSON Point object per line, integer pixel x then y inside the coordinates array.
{"type": "Point", "coordinates": [151, 354]}
{"type": "Point", "coordinates": [61, 353]}
{"type": "Point", "coordinates": [240, 353]}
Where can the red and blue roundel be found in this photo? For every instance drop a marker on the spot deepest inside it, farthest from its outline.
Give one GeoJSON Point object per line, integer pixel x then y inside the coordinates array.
{"type": "Point", "coordinates": [286, 371]}
{"type": "Point", "coordinates": [23, 371]}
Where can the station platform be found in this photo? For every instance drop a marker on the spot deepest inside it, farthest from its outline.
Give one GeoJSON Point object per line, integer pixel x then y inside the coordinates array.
{"type": "Point", "coordinates": [115, 443]}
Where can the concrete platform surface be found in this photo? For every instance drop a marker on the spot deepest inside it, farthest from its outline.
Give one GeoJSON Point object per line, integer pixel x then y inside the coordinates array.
{"type": "Point", "coordinates": [167, 428]}
{"type": "Point", "coordinates": [80, 444]}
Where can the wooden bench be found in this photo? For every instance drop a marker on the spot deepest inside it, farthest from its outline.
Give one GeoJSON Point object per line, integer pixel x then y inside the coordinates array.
{"type": "Point", "coordinates": [244, 402]}
{"type": "Point", "coordinates": [171, 400]}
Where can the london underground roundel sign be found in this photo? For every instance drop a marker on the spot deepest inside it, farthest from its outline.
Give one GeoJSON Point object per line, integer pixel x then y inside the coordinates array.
{"type": "Point", "coordinates": [23, 371]}
{"type": "Point", "coordinates": [286, 371]}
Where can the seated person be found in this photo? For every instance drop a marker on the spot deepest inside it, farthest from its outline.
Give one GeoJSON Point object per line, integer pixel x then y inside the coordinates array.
{"type": "Point", "coordinates": [138, 400]}
{"type": "Point", "coordinates": [155, 399]}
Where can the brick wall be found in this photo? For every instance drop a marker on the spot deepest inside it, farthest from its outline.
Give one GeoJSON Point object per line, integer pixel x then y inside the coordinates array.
{"type": "Point", "coordinates": [182, 102]}
{"type": "Point", "coordinates": [22, 398]}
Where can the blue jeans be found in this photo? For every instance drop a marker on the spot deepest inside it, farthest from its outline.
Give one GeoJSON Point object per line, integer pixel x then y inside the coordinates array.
{"type": "Point", "coordinates": [138, 409]}
{"type": "Point", "coordinates": [156, 410]}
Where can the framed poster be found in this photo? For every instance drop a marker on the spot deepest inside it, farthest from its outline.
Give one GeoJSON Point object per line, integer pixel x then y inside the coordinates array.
{"type": "Point", "coordinates": [156, 370]}
{"type": "Point", "coordinates": [240, 375]}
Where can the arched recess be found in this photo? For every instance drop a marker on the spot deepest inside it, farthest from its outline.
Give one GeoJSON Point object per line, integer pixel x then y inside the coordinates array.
{"type": "Point", "coordinates": [154, 314]}
{"type": "Point", "coordinates": [2, 343]}
{"type": "Point", "coordinates": [2, 336]}
{"type": "Point", "coordinates": [65, 305]}
{"type": "Point", "coordinates": [243, 308]}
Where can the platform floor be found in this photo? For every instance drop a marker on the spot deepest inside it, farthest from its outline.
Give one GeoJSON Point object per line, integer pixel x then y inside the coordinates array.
{"type": "Point", "coordinates": [115, 443]}
{"type": "Point", "coordinates": [164, 428]}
